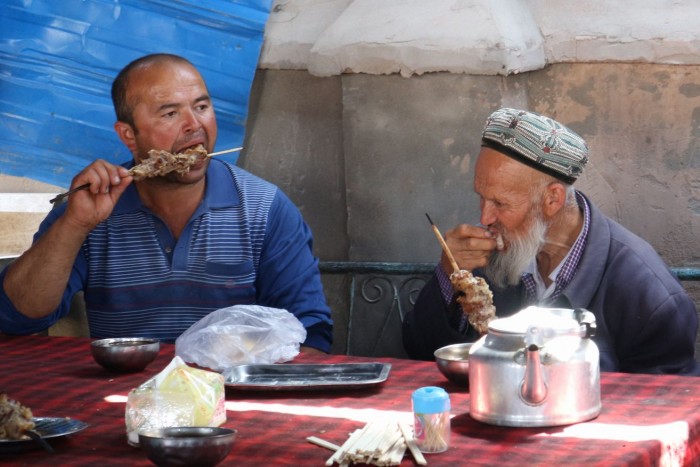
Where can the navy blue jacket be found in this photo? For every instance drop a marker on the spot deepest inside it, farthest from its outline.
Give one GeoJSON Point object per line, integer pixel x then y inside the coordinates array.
{"type": "Point", "coordinates": [646, 321]}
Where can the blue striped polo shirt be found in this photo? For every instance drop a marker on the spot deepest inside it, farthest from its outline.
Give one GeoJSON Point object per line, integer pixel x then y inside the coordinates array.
{"type": "Point", "coordinates": [245, 244]}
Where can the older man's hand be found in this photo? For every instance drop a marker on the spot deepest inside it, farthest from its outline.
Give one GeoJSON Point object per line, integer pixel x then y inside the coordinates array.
{"type": "Point", "coordinates": [471, 246]}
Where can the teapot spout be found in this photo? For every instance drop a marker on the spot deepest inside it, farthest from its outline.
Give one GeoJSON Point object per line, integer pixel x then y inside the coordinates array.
{"type": "Point", "coordinates": [533, 389]}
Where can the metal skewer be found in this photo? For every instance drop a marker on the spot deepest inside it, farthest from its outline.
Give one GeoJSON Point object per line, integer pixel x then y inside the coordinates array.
{"type": "Point", "coordinates": [87, 185]}
{"type": "Point", "coordinates": [68, 193]}
{"type": "Point", "coordinates": [225, 151]}
{"type": "Point", "coordinates": [40, 440]}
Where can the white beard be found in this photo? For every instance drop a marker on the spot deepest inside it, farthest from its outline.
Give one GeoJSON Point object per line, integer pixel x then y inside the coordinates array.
{"type": "Point", "coordinates": [506, 267]}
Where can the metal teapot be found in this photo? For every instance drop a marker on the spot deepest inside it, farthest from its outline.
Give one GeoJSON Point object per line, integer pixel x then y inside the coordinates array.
{"type": "Point", "coordinates": [538, 367]}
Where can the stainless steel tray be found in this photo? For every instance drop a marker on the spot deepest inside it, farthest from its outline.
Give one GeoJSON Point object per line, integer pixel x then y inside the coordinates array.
{"type": "Point", "coordinates": [300, 377]}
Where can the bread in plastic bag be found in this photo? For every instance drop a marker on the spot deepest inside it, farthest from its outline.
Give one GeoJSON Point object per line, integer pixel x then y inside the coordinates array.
{"type": "Point", "coordinates": [177, 396]}
{"type": "Point", "coordinates": [241, 334]}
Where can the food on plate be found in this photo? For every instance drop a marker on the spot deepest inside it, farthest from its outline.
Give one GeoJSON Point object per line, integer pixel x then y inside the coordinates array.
{"type": "Point", "coordinates": [161, 162]}
{"type": "Point", "coordinates": [475, 297]}
{"type": "Point", "coordinates": [15, 419]}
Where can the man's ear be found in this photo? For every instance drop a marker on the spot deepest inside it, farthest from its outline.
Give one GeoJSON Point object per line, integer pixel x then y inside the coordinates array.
{"type": "Point", "coordinates": [554, 198]}
{"type": "Point", "coordinates": [126, 134]}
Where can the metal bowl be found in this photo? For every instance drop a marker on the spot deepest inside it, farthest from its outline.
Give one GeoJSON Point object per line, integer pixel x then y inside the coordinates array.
{"type": "Point", "coordinates": [187, 445]}
{"type": "Point", "coordinates": [453, 362]}
{"type": "Point", "coordinates": [125, 354]}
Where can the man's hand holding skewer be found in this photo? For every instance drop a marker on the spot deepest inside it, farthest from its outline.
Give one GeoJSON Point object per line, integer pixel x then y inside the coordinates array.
{"type": "Point", "coordinates": [471, 246]}
{"type": "Point", "coordinates": [475, 297]}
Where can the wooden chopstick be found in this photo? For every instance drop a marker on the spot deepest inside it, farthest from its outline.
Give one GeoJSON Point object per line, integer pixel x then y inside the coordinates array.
{"type": "Point", "coordinates": [411, 444]}
{"type": "Point", "coordinates": [377, 443]}
{"type": "Point", "coordinates": [87, 185]}
{"type": "Point", "coordinates": [322, 442]}
{"type": "Point", "coordinates": [443, 244]}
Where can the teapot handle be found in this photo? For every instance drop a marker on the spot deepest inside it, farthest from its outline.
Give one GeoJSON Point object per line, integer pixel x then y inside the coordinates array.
{"type": "Point", "coordinates": [587, 319]}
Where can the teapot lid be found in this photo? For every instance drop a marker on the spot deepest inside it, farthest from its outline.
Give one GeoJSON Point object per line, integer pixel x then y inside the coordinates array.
{"type": "Point", "coordinates": [559, 319]}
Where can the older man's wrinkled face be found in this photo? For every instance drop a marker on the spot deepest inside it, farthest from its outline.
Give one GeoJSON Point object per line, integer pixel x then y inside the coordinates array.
{"type": "Point", "coordinates": [509, 208]}
{"type": "Point", "coordinates": [507, 266]}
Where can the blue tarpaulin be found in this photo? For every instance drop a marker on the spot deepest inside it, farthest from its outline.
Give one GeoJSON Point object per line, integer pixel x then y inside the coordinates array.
{"type": "Point", "coordinates": [58, 60]}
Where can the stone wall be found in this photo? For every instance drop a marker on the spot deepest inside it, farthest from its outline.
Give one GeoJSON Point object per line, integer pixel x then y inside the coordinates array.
{"type": "Point", "coordinates": [365, 157]}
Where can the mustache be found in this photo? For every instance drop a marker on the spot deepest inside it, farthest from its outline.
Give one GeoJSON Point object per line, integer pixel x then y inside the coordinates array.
{"type": "Point", "coordinates": [199, 135]}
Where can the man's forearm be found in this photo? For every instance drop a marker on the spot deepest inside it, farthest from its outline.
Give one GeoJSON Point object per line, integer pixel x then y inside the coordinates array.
{"type": "Point", "coordinates": [35, 282]}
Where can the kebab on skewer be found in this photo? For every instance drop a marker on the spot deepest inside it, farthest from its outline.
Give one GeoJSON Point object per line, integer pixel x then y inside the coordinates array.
{"type": "Point", "coordinates": [474, 294]}
{"type": "Point", "coordinates": [159, 163]}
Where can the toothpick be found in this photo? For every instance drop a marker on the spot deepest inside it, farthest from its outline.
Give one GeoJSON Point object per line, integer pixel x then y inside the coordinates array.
{"type": "Point", "coordinates": [443, 244]}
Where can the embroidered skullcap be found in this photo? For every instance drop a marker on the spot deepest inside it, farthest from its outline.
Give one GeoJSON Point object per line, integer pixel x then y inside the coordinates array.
{"type": "Point", "coordinates": [538, 141]}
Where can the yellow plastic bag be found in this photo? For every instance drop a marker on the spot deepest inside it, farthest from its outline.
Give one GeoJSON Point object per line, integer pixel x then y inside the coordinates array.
{"type": "Point", "coordinates": [177, 396]}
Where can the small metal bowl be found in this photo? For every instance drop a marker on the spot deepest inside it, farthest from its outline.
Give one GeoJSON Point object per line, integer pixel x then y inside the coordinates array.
{"type": "Point", "coordinates": [453, 362]}
{"type": "Point", "coordinates": [187, 445]}
{"type": "Point", "coordinates": [125, 354]}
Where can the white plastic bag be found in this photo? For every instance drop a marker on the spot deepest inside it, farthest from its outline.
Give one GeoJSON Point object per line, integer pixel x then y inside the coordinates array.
{"type": "Point", "coordinates": [241, 334]}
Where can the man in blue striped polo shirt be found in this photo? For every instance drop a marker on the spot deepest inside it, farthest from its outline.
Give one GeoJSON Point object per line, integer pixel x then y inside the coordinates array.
{"type": "Point", "coordinates": [544, 243]}
{"type": "Point", "coordinates": [154, 256]}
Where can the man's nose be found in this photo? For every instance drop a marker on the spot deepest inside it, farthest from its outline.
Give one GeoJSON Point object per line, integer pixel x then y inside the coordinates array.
{"type": "Point", "coordinates": [488, 215]}
{"type": "Point", "coordinates": [191, 121]}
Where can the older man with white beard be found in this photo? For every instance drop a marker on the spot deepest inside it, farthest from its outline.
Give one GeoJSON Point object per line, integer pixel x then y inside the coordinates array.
{"type": "Point", "coordinates": [556, 249]}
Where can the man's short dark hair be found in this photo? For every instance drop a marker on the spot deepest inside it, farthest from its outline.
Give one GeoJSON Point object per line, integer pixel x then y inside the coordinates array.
{"type": "Point", "coordinates": [122, 107]}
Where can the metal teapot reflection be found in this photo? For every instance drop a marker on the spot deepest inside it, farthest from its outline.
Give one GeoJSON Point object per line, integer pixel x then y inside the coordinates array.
{"type": "Point", "coordinates": [538, 367]}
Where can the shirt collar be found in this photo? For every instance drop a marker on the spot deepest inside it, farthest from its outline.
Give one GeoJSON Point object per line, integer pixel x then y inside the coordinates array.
{"type": "Point", "coordinates": [220, 191]}
{"type": "Point", "coordinates": [566, 269]}
{"type": "Point", "coordinates": [570, 263]}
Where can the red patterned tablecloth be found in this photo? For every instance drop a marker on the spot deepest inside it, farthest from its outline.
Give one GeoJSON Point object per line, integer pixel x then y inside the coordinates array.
{"type": "Point", "coordinates": [646, 420]}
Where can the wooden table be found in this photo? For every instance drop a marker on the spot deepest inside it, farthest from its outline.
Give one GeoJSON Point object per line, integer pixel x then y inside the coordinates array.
{"type": "Point", "coordinates": [646, 420]}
